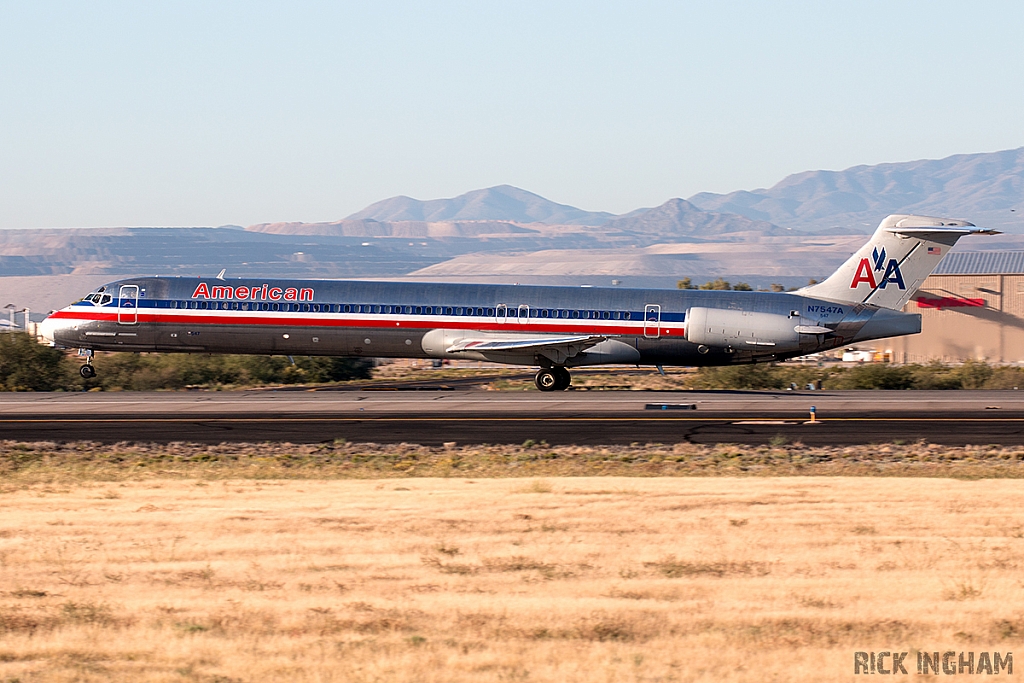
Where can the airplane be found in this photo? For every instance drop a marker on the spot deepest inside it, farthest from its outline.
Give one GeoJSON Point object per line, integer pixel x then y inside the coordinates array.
{"type": "Point", "coordinates": [553, 328]}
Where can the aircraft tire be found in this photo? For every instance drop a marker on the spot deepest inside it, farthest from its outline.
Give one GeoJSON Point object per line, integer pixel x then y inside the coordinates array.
{"type": "Point", "coordinates": [87, 371]}
{"type": "Point", "coordinates": [564, 379]}
{"type": "Point", "coordinates": [547, 379]}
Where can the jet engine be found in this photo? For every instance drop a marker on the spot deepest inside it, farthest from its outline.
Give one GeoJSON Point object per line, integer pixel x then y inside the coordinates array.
{"type": "Point", "coordinates": [749, 331]}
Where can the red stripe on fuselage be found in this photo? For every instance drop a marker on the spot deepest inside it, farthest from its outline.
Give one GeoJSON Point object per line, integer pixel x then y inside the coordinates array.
{"type": "Point", "coordinates": [534, 326]}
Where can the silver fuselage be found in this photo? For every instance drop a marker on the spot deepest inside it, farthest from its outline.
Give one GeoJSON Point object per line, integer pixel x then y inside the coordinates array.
{"type": "Point", "coordinates": [425, 320]}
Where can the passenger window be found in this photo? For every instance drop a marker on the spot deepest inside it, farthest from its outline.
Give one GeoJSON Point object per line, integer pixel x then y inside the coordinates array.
{"type": "Point", "coordinates": [625, 315]}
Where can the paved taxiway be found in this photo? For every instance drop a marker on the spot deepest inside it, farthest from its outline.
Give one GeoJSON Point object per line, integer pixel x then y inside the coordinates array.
{"type": "Point", "coordinates": [476, 416]}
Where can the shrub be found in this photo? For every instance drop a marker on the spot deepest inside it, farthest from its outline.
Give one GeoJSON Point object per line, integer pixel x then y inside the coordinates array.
{"type": "Point", "coordinates": [28, 366]}
{"type": "Point", "coordinates": [874, 376]}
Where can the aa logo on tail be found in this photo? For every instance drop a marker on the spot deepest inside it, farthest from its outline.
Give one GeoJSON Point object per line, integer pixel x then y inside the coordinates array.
{"type": "Point", "coordinates": [867, 268]}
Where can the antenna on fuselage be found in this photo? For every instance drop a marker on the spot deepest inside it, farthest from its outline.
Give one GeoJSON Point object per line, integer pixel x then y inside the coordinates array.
{"type": "Point", "coordinates": [220, 275]}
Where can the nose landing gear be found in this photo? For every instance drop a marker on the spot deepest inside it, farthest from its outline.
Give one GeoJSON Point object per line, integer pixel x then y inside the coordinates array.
{"type": "Point", "coordinates": [552, 379]}
{"type": "Point", "coordinates": [87, 371]}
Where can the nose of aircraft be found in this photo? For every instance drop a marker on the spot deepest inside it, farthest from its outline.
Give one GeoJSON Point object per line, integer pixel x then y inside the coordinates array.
{"type": "Point", "coordinates": [48, 328]}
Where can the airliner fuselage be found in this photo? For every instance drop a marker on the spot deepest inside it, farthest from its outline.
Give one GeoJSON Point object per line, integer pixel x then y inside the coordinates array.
{"type": "Point", "coordinates": [554, 328]}
{"type": "Point", "coordinates": [526, 325]}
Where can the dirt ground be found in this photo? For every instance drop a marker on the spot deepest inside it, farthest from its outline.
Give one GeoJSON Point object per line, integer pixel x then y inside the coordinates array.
{"type": "Point", "coordinates": [501, 579]}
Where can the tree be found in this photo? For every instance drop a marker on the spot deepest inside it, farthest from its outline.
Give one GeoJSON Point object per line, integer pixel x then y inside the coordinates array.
{"type": "Point", "coordinates": [775, 287]}
{"type": "Point", "coordinates": [26, 365]}
{"type": "Point", "coordinates": [742, 287]}
{"type": "Point", "coordinates": [716, 284]}
{"type": "Point", "coordinates": [685, 283]}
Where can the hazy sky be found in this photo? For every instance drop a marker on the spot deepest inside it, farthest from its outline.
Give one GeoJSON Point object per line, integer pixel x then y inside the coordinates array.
{"type": "Point", "coordinates": [207, 113]}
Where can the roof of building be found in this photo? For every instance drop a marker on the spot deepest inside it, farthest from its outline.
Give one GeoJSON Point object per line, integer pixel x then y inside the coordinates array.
{"type": "Point", "coordinates": [981, 263]}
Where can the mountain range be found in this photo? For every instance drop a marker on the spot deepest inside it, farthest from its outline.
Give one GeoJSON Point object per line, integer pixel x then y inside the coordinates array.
{"type": "Point", "coordinates": [808, 222]}
{"type": "Point", "coordinates": [500, 203]}
{"type": "Point", "coordinates": [987, 188]}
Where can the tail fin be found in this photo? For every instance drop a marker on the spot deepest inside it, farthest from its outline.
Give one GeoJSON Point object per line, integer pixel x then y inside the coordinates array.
{"type": "Point", "coordinates": [890, 268]}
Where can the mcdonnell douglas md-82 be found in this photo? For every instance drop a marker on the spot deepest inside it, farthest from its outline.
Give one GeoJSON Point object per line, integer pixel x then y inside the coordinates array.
{"type": "Point", "coordinates": [556, 328]}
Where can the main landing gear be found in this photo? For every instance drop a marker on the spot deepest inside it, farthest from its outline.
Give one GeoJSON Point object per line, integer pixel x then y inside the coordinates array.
{"type": "Point", "coordinates": [552, 379]}
{"type": "Point", "coordinates": [87, 371]}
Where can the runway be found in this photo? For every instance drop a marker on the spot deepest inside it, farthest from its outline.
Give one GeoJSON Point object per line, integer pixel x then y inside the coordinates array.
{"type": "Point", "coordinates": [473, 416]}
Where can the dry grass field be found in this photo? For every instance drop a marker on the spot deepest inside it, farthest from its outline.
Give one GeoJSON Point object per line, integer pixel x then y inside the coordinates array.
{"type": "Point", "coordinates": [500, 579]}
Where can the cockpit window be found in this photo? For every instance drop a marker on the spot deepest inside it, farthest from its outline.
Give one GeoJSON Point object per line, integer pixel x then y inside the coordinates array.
{"type": "Point", "coordinates": [98, 297]}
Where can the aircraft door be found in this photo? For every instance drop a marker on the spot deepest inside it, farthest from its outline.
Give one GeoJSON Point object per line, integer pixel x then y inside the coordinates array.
{"type": "Point", "coordinates": [524, 316]}
{"type": "Point", "coordinates": [652, 321]}
{"type": "Point", "coordinates": [128, 305]}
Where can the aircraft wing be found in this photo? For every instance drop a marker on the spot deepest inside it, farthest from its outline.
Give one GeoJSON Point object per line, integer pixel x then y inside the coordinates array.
{"type": "Point", "coordinates": [569, 345]}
